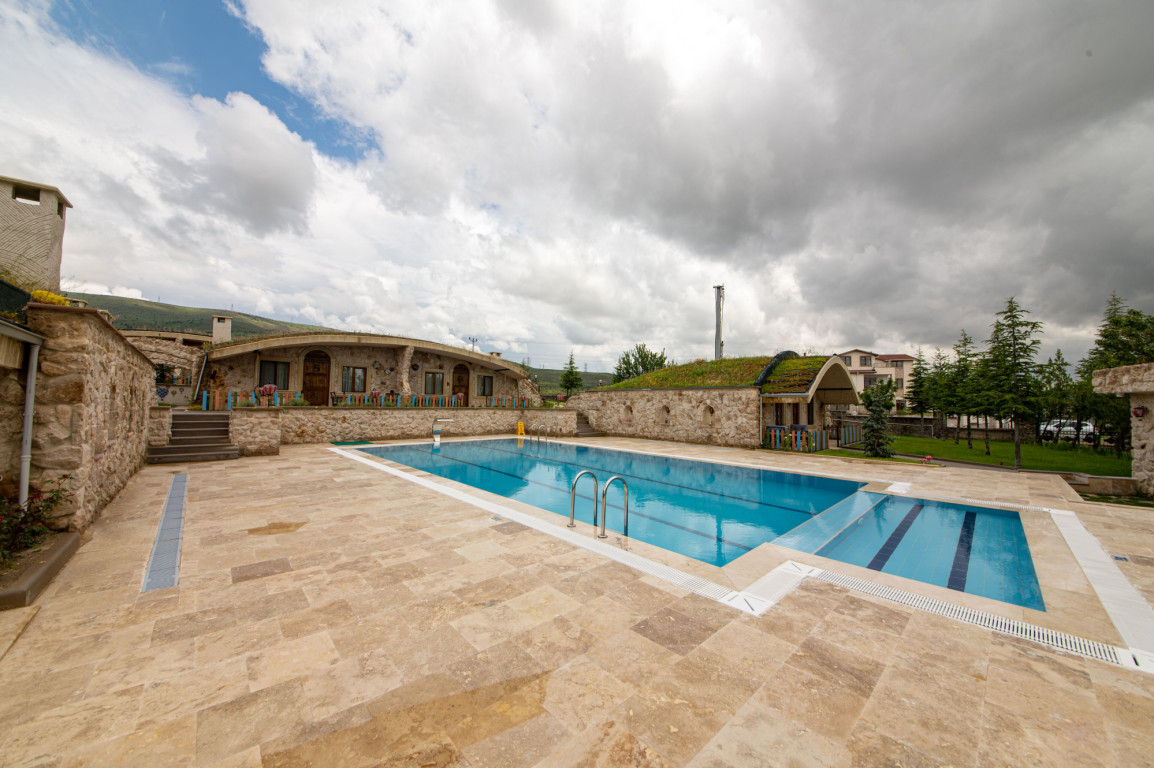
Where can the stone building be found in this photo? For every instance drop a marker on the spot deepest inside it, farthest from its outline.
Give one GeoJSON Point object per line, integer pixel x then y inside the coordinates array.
{"type": "Point", "coordinates": [326, 367]}
{"type": "Point", "coordinates": [178, 358]}
{"type": "Point", "coordinates": [1137, 382]}
{"type": "Point", "coordinates": [722, 402]}
{"type": "Point", "coordinates": [32, 219]}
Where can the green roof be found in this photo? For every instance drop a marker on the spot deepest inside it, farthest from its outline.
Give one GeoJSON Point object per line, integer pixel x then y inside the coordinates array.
{"type": "Point", "coordinates": [793, 375]}
{"type": "Point", "coordinates": [789, 373]}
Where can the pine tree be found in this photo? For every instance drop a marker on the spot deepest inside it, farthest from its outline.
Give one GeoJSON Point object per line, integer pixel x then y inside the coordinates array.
{"type": "Point", "coordinates": [961, 373]}
{"type": "Point", "coordinates": [1012, 348]}
{"type": "Point", "coordinates": [571, 380]}
{"type": "Point", "coordinates": [917, 386]}
{"type": "Point", "coordinates": [879, 401]}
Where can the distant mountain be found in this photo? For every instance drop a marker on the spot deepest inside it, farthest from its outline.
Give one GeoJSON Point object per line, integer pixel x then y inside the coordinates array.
{"type": "Point", "coordinates": [141, 315]}
{"type": "Point", "coordinates": [549, 380]}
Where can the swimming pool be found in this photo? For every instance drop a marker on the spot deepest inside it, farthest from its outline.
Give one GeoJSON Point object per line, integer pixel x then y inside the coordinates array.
{"type": "Point", "coordinates": [717, 512]}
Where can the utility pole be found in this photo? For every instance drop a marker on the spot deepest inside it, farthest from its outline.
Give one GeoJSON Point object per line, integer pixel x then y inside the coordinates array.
{"type": "Point", "coordinates": [473, 342]}
{"type": "Point", "coordinates": [719, 305]}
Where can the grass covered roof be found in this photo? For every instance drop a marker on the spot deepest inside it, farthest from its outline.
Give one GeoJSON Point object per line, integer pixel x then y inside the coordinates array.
{"type": "Point", "coordinates": [790, 373]}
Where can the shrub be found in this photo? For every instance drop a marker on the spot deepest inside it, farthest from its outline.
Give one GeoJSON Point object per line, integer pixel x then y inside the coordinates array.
{"type": "Point", "coordinates": [48, 297]}
{"type": "Point", "coordinates": [24, 528]}
{"type": "Point", "coordinates": [296, 402]}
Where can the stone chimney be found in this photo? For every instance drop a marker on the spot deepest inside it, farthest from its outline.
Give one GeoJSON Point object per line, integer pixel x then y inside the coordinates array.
{"type": "Point", "coordinates": [221, 329]}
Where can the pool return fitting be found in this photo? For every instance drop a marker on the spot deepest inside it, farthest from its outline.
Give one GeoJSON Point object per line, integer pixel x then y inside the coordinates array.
{"type": "Point", "coordinates": [604, 509]}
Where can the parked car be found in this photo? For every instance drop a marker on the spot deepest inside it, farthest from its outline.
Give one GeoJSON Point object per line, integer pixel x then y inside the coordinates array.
{"type": "Point", "coordinates": [1067, 429]}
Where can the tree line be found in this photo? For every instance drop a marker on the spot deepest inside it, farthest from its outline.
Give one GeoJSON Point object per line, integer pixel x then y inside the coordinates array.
{"type": "Point", "coordinates": [1004, 380]}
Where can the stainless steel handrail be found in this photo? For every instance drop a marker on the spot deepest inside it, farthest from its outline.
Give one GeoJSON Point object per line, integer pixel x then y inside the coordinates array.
{"type": "Point", "coordinates": [573, 497]}
{"type": "Point", "coordinates": [605, 507]}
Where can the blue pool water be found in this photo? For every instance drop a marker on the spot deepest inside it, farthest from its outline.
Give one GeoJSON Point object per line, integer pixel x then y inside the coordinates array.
{"type": "Point", "coordinates": [716, 512]}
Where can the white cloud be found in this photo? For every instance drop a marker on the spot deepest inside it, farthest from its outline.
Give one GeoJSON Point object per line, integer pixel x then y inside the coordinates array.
{"type": "Point", "coordinates": [555, 175]}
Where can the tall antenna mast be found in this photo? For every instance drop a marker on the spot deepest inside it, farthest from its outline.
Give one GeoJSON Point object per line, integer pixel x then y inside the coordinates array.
{"type": "Point", "coordinates": [719, 304]}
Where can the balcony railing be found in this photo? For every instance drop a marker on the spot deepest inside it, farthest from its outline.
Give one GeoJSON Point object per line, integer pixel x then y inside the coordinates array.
{"type": "Point", "coordinates": [226, 400]}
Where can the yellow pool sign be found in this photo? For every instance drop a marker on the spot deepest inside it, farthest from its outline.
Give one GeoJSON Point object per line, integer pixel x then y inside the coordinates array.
{"type": "Point", "coordinates": [520, 427]}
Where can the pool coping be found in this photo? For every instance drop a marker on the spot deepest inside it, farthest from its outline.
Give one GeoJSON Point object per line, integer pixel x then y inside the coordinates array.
{"type": "Point", "coordinates": [1121, 601]}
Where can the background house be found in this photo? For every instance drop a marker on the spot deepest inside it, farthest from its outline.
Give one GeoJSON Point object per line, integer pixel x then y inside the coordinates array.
{"type": "Point", "coordinates": [868, 368]}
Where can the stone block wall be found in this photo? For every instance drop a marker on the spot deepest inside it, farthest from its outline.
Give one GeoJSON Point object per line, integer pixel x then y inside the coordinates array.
{"type": "Point", "coordinates": [1137, 381]}
{"type": "Point", "coordinates": [11, 419]}
{"type": "Point", "coordinates": [323, 425]}
{"type": "Point", "coordinates": [682, 415]}
{"type": "Point", "coordinates": [159, 425]}
{"type": "Point", "coordinates": [93, 395]}
{"type": "Point", "coordinates": [255, 430]}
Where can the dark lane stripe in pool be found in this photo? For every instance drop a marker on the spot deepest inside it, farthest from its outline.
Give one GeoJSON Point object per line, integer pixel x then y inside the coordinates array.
{"type": "Point", "coordinates": [883, 555]}
{"type": "Point", "coordinates": [961, 567]}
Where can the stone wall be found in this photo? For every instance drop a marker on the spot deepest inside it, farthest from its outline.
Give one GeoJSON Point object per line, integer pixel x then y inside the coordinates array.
{"type": "Point", "coordinates": [682, 415]}
{"type": "Point", "coordinates": [184, 360]}
{"type": "Point", "coordinates": [159, 425]}
{"type": "Point", "coordinates": [11, 421]}
{"type": "Point", "coordinates": [324, 425]}
{"type": "Point", "coordinates": [255, 430]}
{"type": "Point", "coordinates": [1137, 381]}
{"type": "Point", "coordinates": [93, 394]}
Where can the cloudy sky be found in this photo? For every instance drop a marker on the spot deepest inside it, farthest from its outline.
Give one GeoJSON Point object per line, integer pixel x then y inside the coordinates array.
{"type": "Point", "coordinates": [548, 176]}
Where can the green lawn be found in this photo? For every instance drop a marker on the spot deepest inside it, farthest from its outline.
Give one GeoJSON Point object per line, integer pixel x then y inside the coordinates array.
{"type": "Point", "coordinates": [1048, 457]}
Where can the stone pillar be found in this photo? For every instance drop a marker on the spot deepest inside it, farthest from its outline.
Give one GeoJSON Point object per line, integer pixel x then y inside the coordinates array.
{"type": "Point", "coordinates": [1137, 381]}
{"type": "Point", "coordinates": [403, 371]}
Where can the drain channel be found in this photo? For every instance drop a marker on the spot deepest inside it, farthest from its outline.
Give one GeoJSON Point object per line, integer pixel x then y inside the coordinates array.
{"type": "Point", "coordinates": [164, 562]}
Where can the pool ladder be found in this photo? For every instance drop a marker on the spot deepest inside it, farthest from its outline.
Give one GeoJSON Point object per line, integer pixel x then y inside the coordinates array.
{"type": "Point", "coordinates": [604, 508]}
{"type": "Point", "coordinates": [537, 431]}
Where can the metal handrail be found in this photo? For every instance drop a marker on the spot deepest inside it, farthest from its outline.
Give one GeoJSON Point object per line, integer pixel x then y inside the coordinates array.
{"type": "Point", "coordinates": [605, 507]}
{"type": "Point", "coordinates": [573, 496]}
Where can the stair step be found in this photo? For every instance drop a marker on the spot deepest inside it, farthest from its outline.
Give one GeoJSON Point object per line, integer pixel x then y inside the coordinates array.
{"type": "Point", "coordinates": [184, 431]}
{"type": "Point", "coordinates": [199, 440]}
{"type": "Point", "coordinates": [187, 454]}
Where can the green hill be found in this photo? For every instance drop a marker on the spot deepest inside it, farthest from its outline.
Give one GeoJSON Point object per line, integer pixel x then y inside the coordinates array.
{"type": "Point", "coordinates": [141, 315]}
{"type": "Point", "coordinates": [549, 380]}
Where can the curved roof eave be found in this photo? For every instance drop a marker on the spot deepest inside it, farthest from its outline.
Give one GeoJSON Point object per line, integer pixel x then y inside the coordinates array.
{"type": "Point", "coordinates": [365, 339]}
{"type": "Point", "coordinates": [833, 362]}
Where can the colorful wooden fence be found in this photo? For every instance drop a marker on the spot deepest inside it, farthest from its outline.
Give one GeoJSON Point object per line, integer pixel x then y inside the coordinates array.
{"type": "Point", "coordinates": [800, 440]}
{"type": "Point", "coordinates": [848, 434]}
{"type": "Point", "coordinates": [226, 400]}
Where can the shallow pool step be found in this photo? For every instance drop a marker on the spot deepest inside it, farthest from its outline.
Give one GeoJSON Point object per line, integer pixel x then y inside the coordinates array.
{"type": "Point", "coordinates": [824, 527]}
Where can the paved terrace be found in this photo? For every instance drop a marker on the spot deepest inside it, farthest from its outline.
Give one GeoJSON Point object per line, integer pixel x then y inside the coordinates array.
{"type": "Point", "coordinates": [332, 614]}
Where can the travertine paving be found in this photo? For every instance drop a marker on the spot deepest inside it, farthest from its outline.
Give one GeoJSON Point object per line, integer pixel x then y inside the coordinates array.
{"type": "Point", "coordinates": [331, 614]}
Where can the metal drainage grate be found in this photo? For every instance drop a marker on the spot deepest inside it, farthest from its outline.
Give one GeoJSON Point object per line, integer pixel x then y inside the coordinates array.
{"type": "Point", "coordinates": [164, 562]}
{"type": "Point", "coordinates": [1012, 627]}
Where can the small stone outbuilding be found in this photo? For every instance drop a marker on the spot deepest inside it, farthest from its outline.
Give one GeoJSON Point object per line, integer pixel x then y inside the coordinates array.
{"type": "Point", "coordinates": [722, 402]}
{"type": "Point", "coordinates": [1137, 381]}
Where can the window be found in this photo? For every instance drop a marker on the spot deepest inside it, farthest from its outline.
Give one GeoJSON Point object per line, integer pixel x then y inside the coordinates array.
{"type": "Point", "coordinates": [485, 386]}
{"type": "Point", "coordinates": [897, 364]}
{"type": "Point", "coordinates": [866, 360]}
{"type": "Point", "coordinates": [26, 195]}
{"type": "Point", "coordinates": [901, 383]}
{"type": "Point", "coordinates": [352, 379]}
{"type": "Point", "coordinates": [848, 360]}
{"type": "Point", "coordinates": [434, 383]}
{"type": "Point", "coordinates": [273, 372]}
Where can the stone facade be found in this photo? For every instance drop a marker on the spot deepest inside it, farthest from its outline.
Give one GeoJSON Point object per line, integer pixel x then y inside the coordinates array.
{"type": "Point", "coordinates": [1137, 381]}
{"type": "Point", "coordinates": [387, 369]}
{"type": "Point", "coordinates": [324, 425]}
{"type": "Point", "coordinates": [93, 394]}
{"type": "Point", "coordinates": [682, 415]}
{"type": "Point", "coordinates": [31, 233]}
{"type": "Point", "coordinates": [159, 425]}
{"type": "Point", "coordinates": [11, 421]}
{"type": "Point", "coordinates": [184, 360]}
{"type": "Point", "coordinates": [256, 431]}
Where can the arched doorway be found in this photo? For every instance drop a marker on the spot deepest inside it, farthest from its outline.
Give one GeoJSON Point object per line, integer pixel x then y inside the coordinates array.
{"type": "Point", "coordinates": [315, 387]}
{"type": "Point", "coordinates": [461, 383]}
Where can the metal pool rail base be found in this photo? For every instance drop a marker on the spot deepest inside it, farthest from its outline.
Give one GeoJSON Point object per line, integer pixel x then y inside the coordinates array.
{"type": "Point", "coordinates": [164, 563]}
{"type": "Point", "coordinates": [763, 594]}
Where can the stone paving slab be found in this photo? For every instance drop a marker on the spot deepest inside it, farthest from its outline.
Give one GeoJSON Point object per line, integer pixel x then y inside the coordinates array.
{"type": "Point", "coordinates": [331, 614]}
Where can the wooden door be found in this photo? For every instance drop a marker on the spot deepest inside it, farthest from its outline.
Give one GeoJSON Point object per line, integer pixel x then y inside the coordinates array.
{"type": "Point", "coordinates": [315, 387]}
{"type": "Point", "coordinates": [461, 384]}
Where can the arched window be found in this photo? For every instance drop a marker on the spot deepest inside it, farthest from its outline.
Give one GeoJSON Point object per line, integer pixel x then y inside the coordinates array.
{"type": "Point", "coordinates": [628, 414]}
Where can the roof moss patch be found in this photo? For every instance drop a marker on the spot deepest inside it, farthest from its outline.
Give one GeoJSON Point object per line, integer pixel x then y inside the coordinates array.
{"type": "Point", "coordinates": [793, 375]}
{"type": "Point", "coordinates": [730, 372]}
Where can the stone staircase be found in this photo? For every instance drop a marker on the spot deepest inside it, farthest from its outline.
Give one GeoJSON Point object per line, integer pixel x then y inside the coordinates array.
{"type": "Point", "coordinates": [196, 436]}
{"type": "Point", "coordinates": [584, 428]}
